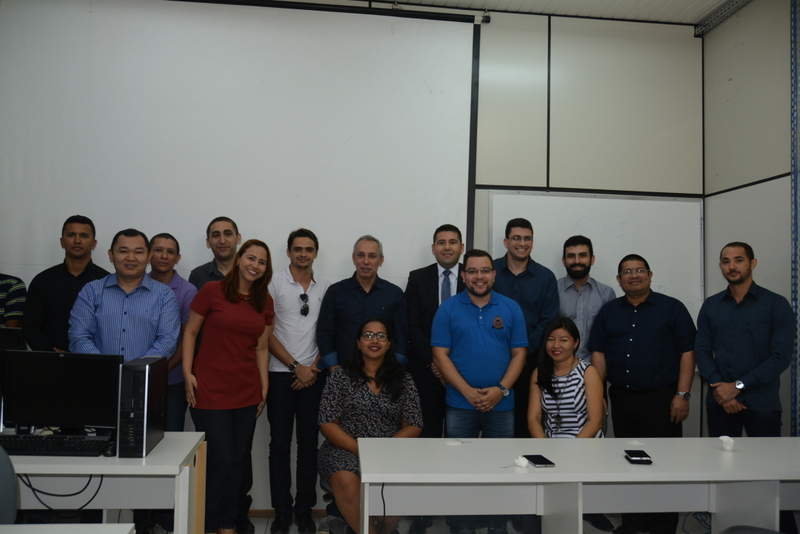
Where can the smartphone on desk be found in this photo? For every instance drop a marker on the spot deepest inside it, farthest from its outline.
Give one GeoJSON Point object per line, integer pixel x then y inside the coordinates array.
{"type": "Point", "coordinates": [638, 456]}
{"type": "Point", "coordinates": [538, 460]}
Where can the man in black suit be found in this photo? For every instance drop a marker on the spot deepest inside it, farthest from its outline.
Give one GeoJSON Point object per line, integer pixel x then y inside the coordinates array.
{"type": "Point", "coordinates": [425, 291]}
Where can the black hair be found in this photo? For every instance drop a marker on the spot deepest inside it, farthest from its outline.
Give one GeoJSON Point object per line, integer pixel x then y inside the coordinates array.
{"type": "Point", "coordinates": [302, 232]}
{"type": "Point", "coordinates": [390, 375]}
{"type": "Point", "coordinates": [79, 219]}
{"type": "Point", "coordinates": [221, 219]}
{"type": "Point", "coordinates": [447, 228]}
{"type": "Point", "coordinates": [130, 232]}
{"type": "Point", "coordinates": [165, 235]}
{"type": "Point", "coordinates": [519, 222]}
{"type": "Point", "coordinates": [748, 250]}
{"type": "Point", "coordinates": [632, 257]}
{"type": "Point", "coordinates": [477, 253]}
{"type": "Point", "coordinates": [545, 378]}
{"type": "Point", "coordinates": [575, 241]}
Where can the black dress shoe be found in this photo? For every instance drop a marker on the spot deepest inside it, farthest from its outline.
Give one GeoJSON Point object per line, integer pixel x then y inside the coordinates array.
{"type": "Point", "coordinates": [599, 521]}
{"type": "Point", "coordinates": [420, 525]}
{"type": "Point", "coordinates": [305, 523]}
{"type": "Point", "coordinates": [244, 525]}
{"type": "Point", "coordinates": [281, 524]}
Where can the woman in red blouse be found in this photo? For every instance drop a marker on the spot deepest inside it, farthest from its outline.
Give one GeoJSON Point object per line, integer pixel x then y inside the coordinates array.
{"type": "Point", "coordinates": [226, 384]}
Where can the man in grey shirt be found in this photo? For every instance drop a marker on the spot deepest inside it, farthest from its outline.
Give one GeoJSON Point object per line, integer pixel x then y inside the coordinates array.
{"type": "Point", "coordinates": [580, 296]}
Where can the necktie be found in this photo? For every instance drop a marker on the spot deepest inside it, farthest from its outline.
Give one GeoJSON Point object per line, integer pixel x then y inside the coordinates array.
{"type": "Point", "coordinates": [446, 285]}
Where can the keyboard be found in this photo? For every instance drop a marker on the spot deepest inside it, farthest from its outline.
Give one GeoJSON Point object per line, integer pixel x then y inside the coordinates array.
{"type": "Point", "coordinates": [52, 445]}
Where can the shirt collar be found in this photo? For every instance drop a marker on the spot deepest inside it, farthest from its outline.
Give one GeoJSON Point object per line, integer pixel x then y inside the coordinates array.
{"type": "Point", "coordinates": [571, 283]}
{"type": "Point", "coordinates": [502, 263]}
{"type": "Point", "coordinates": [464, 296]}
{"type": "Point", "coordinates": [291, 280]}
{"type": "Point", "coordinates": [355, 284]}
{"type": "Point", "coordinates": [147, 282]}
{"type": "Point", "coordinates": [753, 292]}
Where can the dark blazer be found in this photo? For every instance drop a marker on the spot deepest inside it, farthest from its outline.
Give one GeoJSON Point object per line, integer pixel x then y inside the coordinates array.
{"type": "Point", "coordinates": [422, 300]}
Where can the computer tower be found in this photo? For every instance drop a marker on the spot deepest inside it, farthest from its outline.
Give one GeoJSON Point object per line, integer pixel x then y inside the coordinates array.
{"type": "Point", "coordinates": [142, 405]}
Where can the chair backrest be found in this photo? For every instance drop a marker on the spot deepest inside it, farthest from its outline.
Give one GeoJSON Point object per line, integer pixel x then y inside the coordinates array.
{"type": "Point", "coordinates": [8, 490]}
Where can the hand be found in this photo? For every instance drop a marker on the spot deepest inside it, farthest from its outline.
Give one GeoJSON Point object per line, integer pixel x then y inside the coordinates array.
{"type": "Point", "coordinates": [298, 384]}
{"type": "Point", "coordinates": [191, 390]}
{"type": "Point", "coordinates": [733, 406]}
{"type": "Point", "coordinates": [56, 349]}
{"type": "Point", "coordinates": [306, 375]}
{"type": "Point", "coordinates": [679, 409]}
{"type": "Point", "coordinates": [437, 373]}
{"type": "Point", "coordinates": [605, 406]}
{"type": "Point", "coordinates": [262, 403]}
{"type": "Point", "coordinates": [489, 397]}
{"type": "Point", "coordinates": [724, 391]}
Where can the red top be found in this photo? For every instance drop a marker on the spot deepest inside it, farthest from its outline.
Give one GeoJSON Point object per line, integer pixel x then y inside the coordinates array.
{"type": "Point", "coordinates": [225, 367]}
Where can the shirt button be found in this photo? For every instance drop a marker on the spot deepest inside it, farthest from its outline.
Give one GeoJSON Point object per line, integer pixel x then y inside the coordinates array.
{"type": "Point", "coordinates": [123, 329]}
{"type": "Point", "coordinates": [631, 339]}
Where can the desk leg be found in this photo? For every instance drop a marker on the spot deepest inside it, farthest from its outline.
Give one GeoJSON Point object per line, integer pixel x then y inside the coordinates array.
{"type": "Point", "coordinates": [563, 508]}
{"type": "Point", "coordinates": [744, 503]}
{"type": "Point", "coordinates": [190, 495]}
{"type": "Point", "coordinates": [364, 507]}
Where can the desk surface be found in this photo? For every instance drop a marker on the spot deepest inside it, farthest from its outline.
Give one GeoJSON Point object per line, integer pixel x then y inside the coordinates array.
{"type": "Point", "coordinates": [70, 528]}
{"type": "Point", "coordinates": [491, 461]}
{"type": "Point", "coordinates": [167, 458]}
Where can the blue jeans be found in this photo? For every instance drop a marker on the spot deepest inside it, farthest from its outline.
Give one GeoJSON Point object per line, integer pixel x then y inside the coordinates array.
{"type": "Point", "coordinates": [286, 406]}
{"type": "Point", "coordinates": [460, 423]}
{"type": "Point", "coordinates": [757, 423]}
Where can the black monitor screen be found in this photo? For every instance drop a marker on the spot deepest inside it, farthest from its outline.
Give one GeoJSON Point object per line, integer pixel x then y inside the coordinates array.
{"type": "Point", "coordinates": [61, 389]}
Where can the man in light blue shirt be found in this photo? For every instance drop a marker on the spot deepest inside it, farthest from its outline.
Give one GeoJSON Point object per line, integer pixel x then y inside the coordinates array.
{"type": "Point", "coordinates": [581, 296]}
{"type": "Point", "coordinates": [126, 312]}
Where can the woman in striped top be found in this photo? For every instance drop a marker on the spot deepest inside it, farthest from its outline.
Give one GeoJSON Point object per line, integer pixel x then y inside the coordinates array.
{"type": "Point", "coordinates": [568, 402]}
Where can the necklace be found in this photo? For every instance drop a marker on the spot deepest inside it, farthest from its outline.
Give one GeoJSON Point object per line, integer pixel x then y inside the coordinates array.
{"type": "Point", "coordinates": [243, 297]}
{"type": "Point", "coordinates": [558, 397]}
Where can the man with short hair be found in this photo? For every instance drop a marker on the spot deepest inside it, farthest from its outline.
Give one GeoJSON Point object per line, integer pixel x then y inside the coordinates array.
{"type": "Point", "coordinates": [52, 292]}
{"type": "Point", "coordinates": [12, 300]}
{"type": "Point", "coordinates": [294, 387]}
{"type": "Point", "coordinates": [353, 300]}
{"type": "Point", "coordinates": [533, 287]}
{"type": "Point", "coordinates": [165, 256]}
{"type": "Point", "coordinates": [427, 288]}
{"type": "Point", "coordinates": [479, 345]}
{"type": "Point", "coordinates": [643, 342]}
{"type": "Point", "coordinates": [745, 337]}
{"type": "Point", "coordinates": [223, 238]}
{"type": "Point", "coordinates": [126, 312]}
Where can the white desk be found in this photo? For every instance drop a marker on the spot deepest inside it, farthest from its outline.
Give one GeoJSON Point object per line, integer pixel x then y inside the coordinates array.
{"type": "Point", "coordinates": [171, 476]}
{"type": "Point", "coordinates": [69, 528]}
{"type": "Point", "coordinates": [430, 477]}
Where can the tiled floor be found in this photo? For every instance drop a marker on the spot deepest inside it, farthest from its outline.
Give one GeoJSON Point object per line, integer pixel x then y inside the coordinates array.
{"type": "Point", "coordinates": [688, 525]}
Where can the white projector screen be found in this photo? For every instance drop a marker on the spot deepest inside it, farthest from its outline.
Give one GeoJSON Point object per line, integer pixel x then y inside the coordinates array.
{"type": "Point", "coordinates": [162, 115]}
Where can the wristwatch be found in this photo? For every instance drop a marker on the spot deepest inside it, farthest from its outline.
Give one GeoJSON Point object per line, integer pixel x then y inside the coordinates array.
{"type": "Point", "coordinates": [684, 395]}
{"type": "Point", "coordinates": [739, 385]}
{"type": "Point", "coordinates": [503, 389]}
{"type": "Point", "coordinates": [292, 366]}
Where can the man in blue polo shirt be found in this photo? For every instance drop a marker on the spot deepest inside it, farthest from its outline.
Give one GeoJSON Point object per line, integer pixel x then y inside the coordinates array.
{"type": "Point", "coordinates": [643, 342]}
{"type": "Point", "coordinates": [479, 344]}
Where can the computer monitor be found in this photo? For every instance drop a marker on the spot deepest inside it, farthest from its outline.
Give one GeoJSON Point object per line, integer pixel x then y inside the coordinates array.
{"type": "Point", "coordinates": [10, 339]}
{"type": "Point", "coordinates": [61, 389]}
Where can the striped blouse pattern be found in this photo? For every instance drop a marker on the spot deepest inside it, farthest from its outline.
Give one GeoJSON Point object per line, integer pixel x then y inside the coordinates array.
{"type": "Point", "coordinates": [566, 414]}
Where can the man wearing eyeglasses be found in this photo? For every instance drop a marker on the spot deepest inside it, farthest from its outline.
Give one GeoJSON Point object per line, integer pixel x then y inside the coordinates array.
{"type": "Point", "coordinates": [643, 343]}
{"type": "Point", "coordinates": [295, 388]}
{"type": "Point", "coordinates": [479, 345]}
{"type": "Point", "coordinates": [533, 287]}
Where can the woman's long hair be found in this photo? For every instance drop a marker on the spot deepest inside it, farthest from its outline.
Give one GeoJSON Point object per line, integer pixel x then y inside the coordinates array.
{"type": "Point", "coordinates": [545, 378]}
{"type": "Point", "coordinates": [390, 375]}
{"type": "Point", "coordinates": [259, 291]}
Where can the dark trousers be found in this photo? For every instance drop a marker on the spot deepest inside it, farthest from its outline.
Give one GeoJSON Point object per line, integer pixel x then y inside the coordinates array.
{"type": "Point", "coordinates": [432, 401]}
{"type": "Point", "coordinates": [229, 435]}
{"type": "Point", "coordinates": [245, 500]}
{"type": "Point", "coordinates": [522, 392]}
{"type": "Point", "coordinates": [645, 414]}
{"type": "Point", "coordinates": [757, 423]}
{"type": "Point", "coordinates": [176, 407]}
{"type": "Point", "coordinates": [284, 407]}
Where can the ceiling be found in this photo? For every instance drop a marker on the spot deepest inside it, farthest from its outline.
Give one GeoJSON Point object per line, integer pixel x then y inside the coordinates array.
{"type": "Point", "coordinates": [671, 11]}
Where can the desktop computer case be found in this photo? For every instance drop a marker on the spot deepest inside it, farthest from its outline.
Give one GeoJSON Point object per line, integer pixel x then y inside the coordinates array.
{"type": "Point", "coordinates": [142, 405]}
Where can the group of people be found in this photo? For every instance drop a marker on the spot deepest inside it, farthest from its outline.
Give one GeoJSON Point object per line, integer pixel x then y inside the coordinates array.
{"type": "Point", "coordinates": [492, 348]}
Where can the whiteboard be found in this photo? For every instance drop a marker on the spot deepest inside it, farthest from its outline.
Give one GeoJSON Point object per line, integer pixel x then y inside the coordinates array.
{"type": "Point", "coordinates": [163, 115]}
{"type": "Point", "coordinates": [667, 232]}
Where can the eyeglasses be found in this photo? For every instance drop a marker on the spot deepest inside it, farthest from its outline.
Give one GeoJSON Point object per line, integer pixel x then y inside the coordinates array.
{"type": "Point", "coordinates": [518, 238]}
{"type": "Point", "coordinates": [484, 271]}
{"type": "Point", "coordinates": [304, 307]}
{"type": "Point", "coordinates": [380, 336]}
{"type": "Point", "coordinates": [629, 272]}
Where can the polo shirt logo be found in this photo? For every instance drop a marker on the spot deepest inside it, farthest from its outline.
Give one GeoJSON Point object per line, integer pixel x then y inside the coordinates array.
{"type": "Point", "coordinates": [498, 323]}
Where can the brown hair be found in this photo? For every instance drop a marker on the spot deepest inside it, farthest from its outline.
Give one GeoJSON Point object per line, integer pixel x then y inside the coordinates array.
{"type": "Point", "coordinates": [259, 292]}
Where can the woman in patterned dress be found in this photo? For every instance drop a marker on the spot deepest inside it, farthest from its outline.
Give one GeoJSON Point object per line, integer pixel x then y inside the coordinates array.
{"type": "Point", "coordinates": [566, 393]}
{"type": "Point", "coordinates": [370, 397]}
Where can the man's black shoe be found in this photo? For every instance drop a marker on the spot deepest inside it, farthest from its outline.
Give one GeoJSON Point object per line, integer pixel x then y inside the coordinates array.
{"type": "Point", "coordinates": [244, 525]}
{"type": "Point", "coordinates": [305, 523]}
{"type": "Point", "coordinates": [281, 524]}
{"type": "Point", "coordinates": [420, 525]}
{"type": "Point", "coordinates": [599, 521]}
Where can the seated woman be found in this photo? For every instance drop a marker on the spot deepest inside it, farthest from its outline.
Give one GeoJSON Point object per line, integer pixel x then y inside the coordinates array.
{"type": "Point", "coordinates": [565, 391]}
{"type": "Point", "coordinates": [370, 397]}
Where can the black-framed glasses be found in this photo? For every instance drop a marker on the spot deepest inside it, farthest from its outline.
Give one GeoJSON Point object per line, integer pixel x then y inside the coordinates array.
{"type": "Point", "coordinates": [380, 336]}
{"type": "Point", "coordinates": [304, 307]}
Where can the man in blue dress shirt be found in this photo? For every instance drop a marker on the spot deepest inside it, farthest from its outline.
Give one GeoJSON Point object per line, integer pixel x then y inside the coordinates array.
{"type": "Point", "coordinates": [126, 312]}
{"type": "Point", "coordinates": [744, 342]}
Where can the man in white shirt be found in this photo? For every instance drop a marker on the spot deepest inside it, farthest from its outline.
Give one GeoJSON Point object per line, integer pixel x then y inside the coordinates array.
{"type": "Point", "coordinates": [294, 387]}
